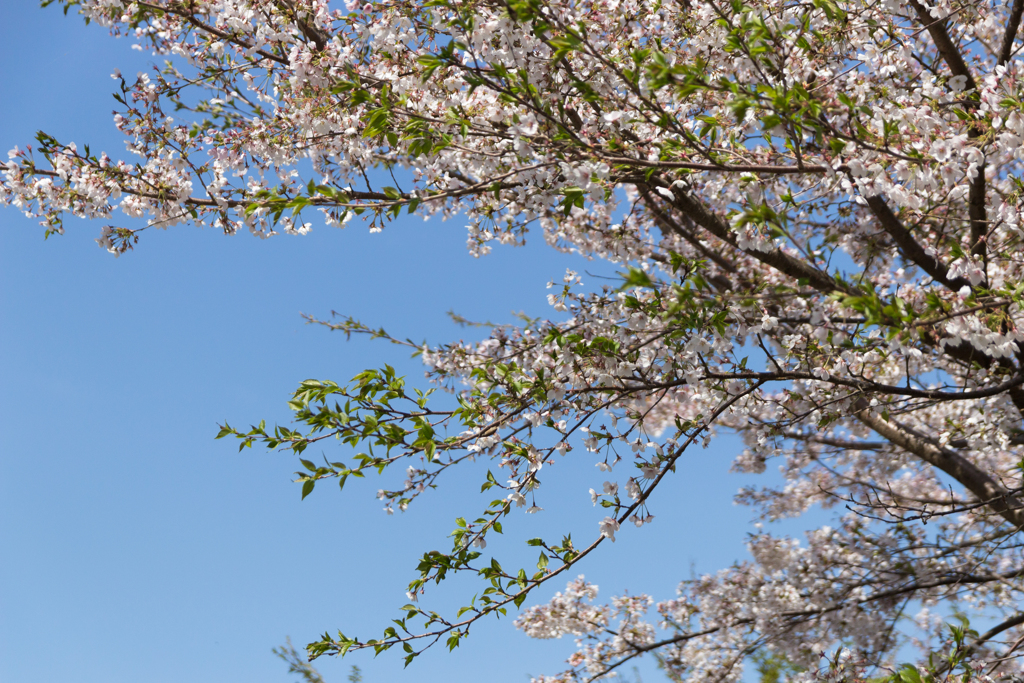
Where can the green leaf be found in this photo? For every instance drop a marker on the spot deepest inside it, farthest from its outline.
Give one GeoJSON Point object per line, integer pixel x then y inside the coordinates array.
{"type": "Point", "coordinates": [635, 278]}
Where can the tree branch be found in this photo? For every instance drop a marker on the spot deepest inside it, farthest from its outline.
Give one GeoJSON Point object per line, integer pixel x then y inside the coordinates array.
{"type": "Point", "coordinates": [776, 258]}
{"type": "Point", "coordinates": [944, 44]}
{"type": "Point", "coordinates": [909, 247]}
{"type": "Point", "coordinates": [955, 61]}
{"type": "Point", "coordinates": [946, 460]}
{"type": "Point", "coordinates": [1012, 26]}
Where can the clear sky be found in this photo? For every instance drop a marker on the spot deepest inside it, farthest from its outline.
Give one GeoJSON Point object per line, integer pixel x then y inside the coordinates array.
{"type": "Point", "coordinates": [135, 547]}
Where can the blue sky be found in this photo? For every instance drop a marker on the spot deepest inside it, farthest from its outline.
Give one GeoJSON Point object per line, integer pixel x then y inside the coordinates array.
{"type": "Point", "coordinates": [135, 547]}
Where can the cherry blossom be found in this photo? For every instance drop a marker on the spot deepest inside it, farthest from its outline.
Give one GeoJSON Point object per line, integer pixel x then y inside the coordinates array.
{"type": "Point", "coordinates": [815, 211]}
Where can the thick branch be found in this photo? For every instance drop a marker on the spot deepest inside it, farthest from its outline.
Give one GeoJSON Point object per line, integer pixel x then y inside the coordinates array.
{"type": "Point", "coordinates": [952, 463]}
{"type": "Point", "coordinates": [944, 44]}
{"type": "Point", "coordinates": [1012, 26]}
{"type": "Point", "coordinates": [865, 386]}
{"type": "Point", "coordinates": [631, 162]}
{"type": "Point", "coordinates": [845, 444]}
{"type": "Point", "coordinates": [309, 30]}
{"type": "Point", "coordinates": [909, 246]}
{"type": "Point", "coordinates": [776, 258]}
{"type": "Point", "coordinates": [955, 61]}
{"type": "Point", "coordinates": [966, 353]}
{"type": "Point", "coordinates": [668, 223]}
{"type": "Point", "coordinates": [978, 214]}
{"type": "Point", "coordinates": [1015, 620]}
